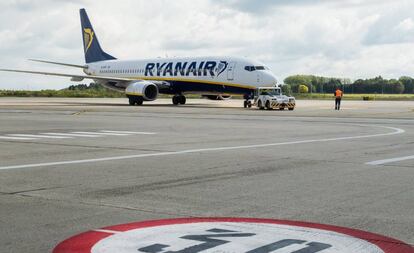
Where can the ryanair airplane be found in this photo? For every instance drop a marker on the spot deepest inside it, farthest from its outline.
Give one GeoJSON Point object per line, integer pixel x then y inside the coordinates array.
{"type": "Point", "coordinates": [142, 80]}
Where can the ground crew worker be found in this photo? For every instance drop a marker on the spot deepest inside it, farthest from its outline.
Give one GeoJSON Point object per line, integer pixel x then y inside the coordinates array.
{"type": "Point", "coordinates": [338, 96]}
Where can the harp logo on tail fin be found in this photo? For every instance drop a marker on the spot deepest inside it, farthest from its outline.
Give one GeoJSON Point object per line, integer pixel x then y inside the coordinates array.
{"type": "Point", "coordinates": [88, 35]}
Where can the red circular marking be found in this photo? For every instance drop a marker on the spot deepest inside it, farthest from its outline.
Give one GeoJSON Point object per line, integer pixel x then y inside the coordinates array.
{"type": "Point", "coordinates": [84, 242]}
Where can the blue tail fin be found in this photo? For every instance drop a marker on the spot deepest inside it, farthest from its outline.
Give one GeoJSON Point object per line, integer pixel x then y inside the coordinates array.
{"type": "Point", "coordinates": [93, 51]}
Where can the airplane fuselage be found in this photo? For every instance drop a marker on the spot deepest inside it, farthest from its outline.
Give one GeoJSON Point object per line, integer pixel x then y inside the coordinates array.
{"type": "Point", "coordinates": [204, 75]}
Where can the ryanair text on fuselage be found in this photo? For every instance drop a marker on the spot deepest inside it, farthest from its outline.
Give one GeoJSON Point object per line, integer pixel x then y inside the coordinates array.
{"type": "Point", "coordinates": [207, 68]}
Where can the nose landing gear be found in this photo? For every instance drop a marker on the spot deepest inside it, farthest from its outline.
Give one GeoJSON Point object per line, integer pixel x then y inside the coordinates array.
{"type": "Point", "coordinates": [247, 102]}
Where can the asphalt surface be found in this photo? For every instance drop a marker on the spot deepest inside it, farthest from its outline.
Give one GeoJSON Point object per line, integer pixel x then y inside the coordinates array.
{"type": "Point", "coordinates": [207, 158]}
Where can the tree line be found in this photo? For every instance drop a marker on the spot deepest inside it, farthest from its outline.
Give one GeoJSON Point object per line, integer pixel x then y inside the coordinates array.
{"type": "Point", "coordinates": [377, 85]}
{"type": "Point", "coordinates": [80, 90]}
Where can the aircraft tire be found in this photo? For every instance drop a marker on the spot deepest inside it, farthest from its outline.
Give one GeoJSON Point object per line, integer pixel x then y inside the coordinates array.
{"type": "Point", "coordinates": [182, 100]}
{"type": "Point", "coordinates": [175, 100]}
{"type": "Point", "coordinates": [139, 101]}
{"type": "Point", "coordinates": [131, 101]}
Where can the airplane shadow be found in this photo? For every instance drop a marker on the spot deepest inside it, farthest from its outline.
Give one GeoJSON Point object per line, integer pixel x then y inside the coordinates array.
{"type": "Point", "coordinates": [199, 105]}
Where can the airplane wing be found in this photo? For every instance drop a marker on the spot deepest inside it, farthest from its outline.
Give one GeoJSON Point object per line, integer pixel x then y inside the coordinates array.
{"type": "Point", "coordinates": [77, 78]}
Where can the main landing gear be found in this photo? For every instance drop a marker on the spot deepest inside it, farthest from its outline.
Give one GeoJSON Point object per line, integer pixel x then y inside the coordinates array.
{"type": "Point", "coordinates": [179, 99]}
{"type": "Point", "coordinates": [135, 100]}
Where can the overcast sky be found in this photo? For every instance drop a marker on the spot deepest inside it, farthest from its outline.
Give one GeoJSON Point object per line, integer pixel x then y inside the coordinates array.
{"type": "Point", "coordinates": [355, 38]}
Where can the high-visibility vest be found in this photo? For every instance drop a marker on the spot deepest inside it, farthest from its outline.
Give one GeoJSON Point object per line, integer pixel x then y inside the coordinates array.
{"type": "Point", "coordinates": [338, 93]}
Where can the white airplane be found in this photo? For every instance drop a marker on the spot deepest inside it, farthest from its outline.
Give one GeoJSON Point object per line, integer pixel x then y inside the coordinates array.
{"type": "Point", "coordinates": [142, 80]}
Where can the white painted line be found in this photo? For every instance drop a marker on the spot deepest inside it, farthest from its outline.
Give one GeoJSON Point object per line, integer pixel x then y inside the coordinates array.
{"type": "Point", "coordinates": [107, 231]}
{"type": "Point", "coordinates": [100, 133]}
{"type": "Point", "coordinates": [114, 158]}
{"type": "Point", "coordinates": [391, 160]}
{"type": "Point", "coordinates": [126, 132]}
{"type": "Point", "coordinates": [38, 136]}
{"type": "Point", "coordinates": [73, 135]}
{"type": "Point", "coordinates": [15, 138]}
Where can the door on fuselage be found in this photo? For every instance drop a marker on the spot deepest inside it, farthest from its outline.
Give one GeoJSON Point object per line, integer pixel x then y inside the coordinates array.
{"type": "Point", "coordinates": [259, 77]}
{"type": "Point", "coordinates": [230, 71]}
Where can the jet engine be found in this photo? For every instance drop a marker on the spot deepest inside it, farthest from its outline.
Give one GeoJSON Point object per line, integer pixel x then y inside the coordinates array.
{"type": "Point", "coordinates": [147, 90]}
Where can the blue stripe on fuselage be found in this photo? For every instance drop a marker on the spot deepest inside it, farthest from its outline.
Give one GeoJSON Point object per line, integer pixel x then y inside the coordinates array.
{"type": "Point", "coordinates": [178, 87]}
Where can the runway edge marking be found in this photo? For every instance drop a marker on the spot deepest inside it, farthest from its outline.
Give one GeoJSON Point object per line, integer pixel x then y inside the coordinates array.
{"type": "Point", "coordinates": [189, 151]}
{"type": "Point", "coordinates": [391, 160]}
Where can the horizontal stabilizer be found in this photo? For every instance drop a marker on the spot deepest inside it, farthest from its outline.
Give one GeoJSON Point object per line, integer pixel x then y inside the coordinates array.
{"type": "Point", "coordinates": [60, 63]}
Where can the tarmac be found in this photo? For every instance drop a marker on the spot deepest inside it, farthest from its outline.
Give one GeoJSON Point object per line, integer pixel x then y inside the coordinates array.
{"type": "Point", "coordinates": [69, 165]}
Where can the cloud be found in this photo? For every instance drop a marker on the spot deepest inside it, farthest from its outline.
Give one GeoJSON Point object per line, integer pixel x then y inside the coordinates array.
{"type": "Point", "coordinates": [263, 6]}
{"type": "Point", "coordinates": [393, 26]}
{"type": "Point", "coordinates": [270, 6]}
{"type": "Point", "coordinates": [355, 38]}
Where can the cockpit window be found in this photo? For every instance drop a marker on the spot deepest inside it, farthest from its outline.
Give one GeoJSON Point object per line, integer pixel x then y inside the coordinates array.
{"type": "Point", "coordinates": [253, 68]}
{"type": "Point", "coordinates": [249, 68]}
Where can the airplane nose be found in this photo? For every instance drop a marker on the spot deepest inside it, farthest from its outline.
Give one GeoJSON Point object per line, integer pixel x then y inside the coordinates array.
{"type": "Point", "coordinates": [271, 79]}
